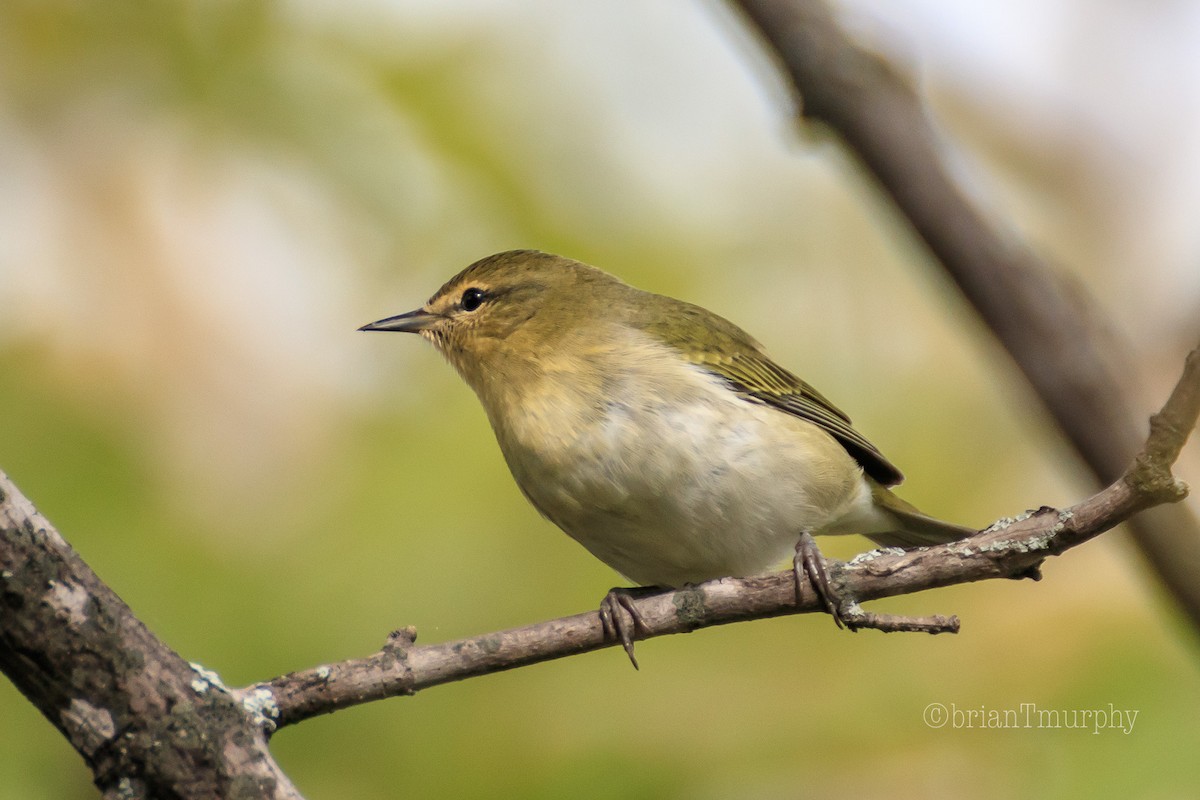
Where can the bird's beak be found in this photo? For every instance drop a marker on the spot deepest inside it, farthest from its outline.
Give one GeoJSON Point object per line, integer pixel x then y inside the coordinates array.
{"type": "Point", "coordinates": [412, 322]}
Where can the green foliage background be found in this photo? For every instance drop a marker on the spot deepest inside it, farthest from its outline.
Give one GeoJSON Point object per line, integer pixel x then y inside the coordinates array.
{"type": "Point", "coordinates": [204, 200]}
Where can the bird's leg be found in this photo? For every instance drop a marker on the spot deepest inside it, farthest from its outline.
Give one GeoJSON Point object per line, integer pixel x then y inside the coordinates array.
{"type": "Point", "coordinates": [846, 612]}
{"type": "Point", "coordinates": [620, 617]}
{"type": "Point", "coordinates": [809, 563]}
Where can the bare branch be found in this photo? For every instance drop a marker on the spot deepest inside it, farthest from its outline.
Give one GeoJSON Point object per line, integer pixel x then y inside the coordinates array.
{"type": "Point", "coordinates": [1009, 549]}
{"type": "Point", "coordinates": [1050, 326]}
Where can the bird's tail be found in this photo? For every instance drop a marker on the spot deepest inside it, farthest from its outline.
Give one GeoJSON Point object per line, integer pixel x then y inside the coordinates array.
{"type": "Point", "coordinates": [913, 528]}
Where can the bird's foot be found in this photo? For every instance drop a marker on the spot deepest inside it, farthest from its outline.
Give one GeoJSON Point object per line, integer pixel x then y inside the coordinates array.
{"type": "Point", "coordinates": [620, 617]}
{"type": "Point", "coordinates": [810, 563]}
{"type": "Point", "coordinates": [846, 612]}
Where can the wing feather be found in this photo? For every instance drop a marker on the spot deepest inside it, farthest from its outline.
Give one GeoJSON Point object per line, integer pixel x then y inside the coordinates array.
{"type": "Point", "coordinates": [758, 377]}
{"type": "Point", "coordinates": [725, 350]}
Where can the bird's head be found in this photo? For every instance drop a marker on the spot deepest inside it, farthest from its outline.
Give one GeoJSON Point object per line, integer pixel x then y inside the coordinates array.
{"type": "Point", "coordinates": [509, 309]}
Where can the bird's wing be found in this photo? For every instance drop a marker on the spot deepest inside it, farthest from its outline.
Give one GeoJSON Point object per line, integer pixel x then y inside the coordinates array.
{"type": "Point", "coordinates": [725, 350]}
{"type": "Point", "coordinates": [758, 377]}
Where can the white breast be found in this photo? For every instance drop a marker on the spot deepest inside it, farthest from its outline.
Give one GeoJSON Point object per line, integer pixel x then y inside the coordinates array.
{"type": "Point", "coordinates": [670, 477]}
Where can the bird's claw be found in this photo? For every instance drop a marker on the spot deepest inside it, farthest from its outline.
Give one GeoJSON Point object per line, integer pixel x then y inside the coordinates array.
{"type": "Point", "coordinates": [621, 619]}
{"type": "Point", "coordinates": [810, 563]}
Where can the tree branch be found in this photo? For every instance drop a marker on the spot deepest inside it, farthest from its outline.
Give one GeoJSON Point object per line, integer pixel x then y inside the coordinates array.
{"type": "Point", "coordinates": [1009, 549]}
{"type": "Point", "coordinates": [1051, 327]}
{"type": "Point", "coordinates": [149, 724]}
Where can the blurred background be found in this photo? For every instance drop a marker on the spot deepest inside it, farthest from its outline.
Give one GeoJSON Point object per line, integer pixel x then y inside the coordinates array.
{"type": "Point", "coordinates": [201, 201]}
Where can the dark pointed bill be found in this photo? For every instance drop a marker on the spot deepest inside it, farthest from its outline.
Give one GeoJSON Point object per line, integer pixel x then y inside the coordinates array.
{"type": "Point", "coordinates": [412, 322]}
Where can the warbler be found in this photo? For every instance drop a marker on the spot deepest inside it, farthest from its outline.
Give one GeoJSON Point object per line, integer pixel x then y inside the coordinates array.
{"type": "Point", "coordinates": [655, 433]}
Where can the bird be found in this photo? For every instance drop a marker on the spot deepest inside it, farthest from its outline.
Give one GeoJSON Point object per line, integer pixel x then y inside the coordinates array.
{"type": "Point", "coordinates": [657, 434]}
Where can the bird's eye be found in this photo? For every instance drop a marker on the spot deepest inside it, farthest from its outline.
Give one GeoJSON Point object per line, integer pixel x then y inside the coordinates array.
{"type": "Point", "coordinates": [472, 298]}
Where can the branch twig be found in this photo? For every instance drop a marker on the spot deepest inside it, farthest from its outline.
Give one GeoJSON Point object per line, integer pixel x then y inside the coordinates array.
{"type": "Point", "coordinates": [1008, 549]}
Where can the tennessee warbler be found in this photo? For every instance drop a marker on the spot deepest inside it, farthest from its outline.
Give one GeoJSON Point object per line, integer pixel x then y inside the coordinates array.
{"type": "Point", "coordinates": [655, 433]}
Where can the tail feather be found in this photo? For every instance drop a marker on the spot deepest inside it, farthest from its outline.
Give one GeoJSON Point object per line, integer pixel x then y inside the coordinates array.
{"type": "Point", "coordinates": [913, 528]}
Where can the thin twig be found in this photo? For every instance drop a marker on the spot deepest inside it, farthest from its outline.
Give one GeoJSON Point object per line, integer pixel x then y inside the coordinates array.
{"type": "Point", "coordinates": [857, 617]}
